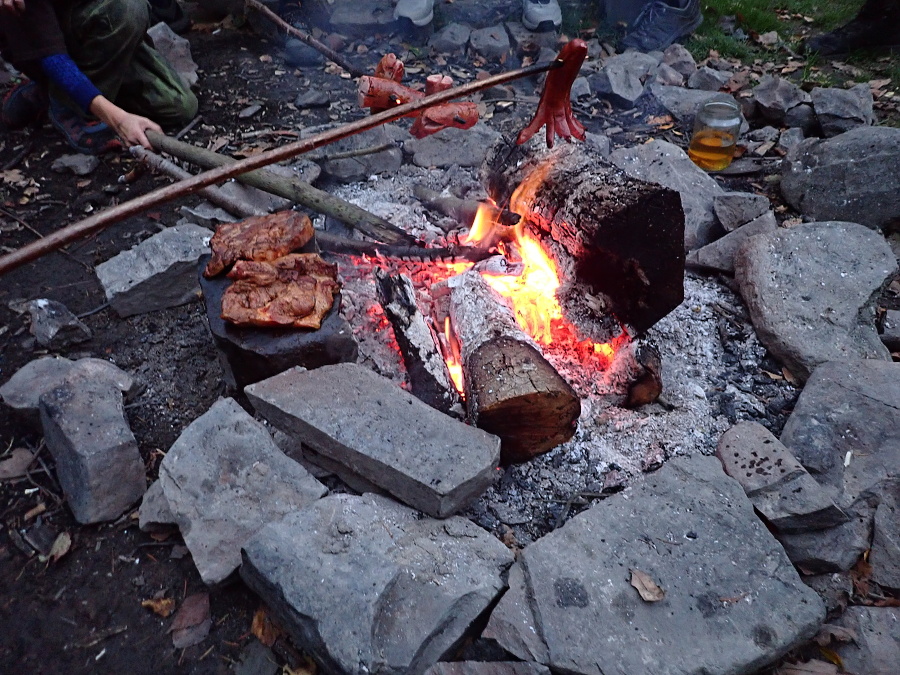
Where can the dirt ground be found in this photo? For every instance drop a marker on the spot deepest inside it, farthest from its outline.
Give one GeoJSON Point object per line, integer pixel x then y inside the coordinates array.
{"type": "Point", "coordinates": [83, 613]}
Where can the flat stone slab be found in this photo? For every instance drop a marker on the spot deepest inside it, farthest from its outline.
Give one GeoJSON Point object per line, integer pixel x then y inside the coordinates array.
{"type": "Point", "coordinates": [159, 272]}
{"type": "Point", "coordinates": [97, 459]}
{"type": "Point", "coordinates": [776, 483]}
{"type": "Point", "coordinates": [732, 603]}
{"type": "Point", "coordinates": [719, 255]}
{"type": "Point", "coordinates": [734, 209]}
{"type": "Point", "coordinates": [223, 479]}
{"type": "Point", "coordinates": [876, 648]}
{"type": "Point", "coordinates": [487, 668]}
{"type": "Point", "coordinates": [54, 326]}
{"type": "Point", "coordinates": [810, 291]}
{"type": "Point", "coordinates": [350, 415]}
{"type": "Point", "coordinates": [22, 392]}
{"type": "Point", "coordinates": [366, 585]}
{"type": "Point", "coordinates": [462, 147]}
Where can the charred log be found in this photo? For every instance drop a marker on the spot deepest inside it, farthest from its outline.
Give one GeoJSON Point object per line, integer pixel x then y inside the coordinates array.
{"type": "Point", "coordinates": [428, 376]}
{"type": "Point", "coordinates": [511, 389]}
{"type": "Point", "coordinates": [618, 241]}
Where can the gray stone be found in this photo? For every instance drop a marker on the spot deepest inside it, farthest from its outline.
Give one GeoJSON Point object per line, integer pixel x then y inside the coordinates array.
{"type": "Point", "coordinates": [176, 50]}
{"type": "Point", "coordinates": [666, 75]}
{"type": "Point", "coordinates": [708, 79]}
{"type": "Point", "coordinates": [258, 199]}
{"type": "Point", "coordinates": [790, 139]}
{"type": "Point", "coordinates": [802, 117]}
{"type": "Point", "coordinates": [154, 511]}
{"type": "Point", "coordinates": [312, 98]}
{"type": "Point", "coordinates": [367, 585]}
{"type": "Point", "coordinates": [353, 169]}
{"type": "Point", "coordinates": [461, 147]}
{"type": "Point", "coordinates": [766, 133]}
{"type": "Point", "coordinates": [80, 165]}
{"type": "Point", "coordinates": [250, 111]}
{"type": "Point", "coordinates": [97, 460]}
{"type": "Point", "coordinates": [487, 668]}
{"type": "Point", "coordinates": [668, 165]}
{"type": "Point", "coordinates": [54, 326]}
{"type": "Point", "coordinates": [525, 41]}
{"type": "Point", "coordinates": [885, 554]}
{"type": "Point", "coordinates": [362, 19]}
{"type": "Point", "coordinates": [581, 88]}
{"type": "Point", "coordinates": [891, 335]}
{"type": "Point", "coordinates": [223, 479]}
{"type": "Point", "coordinates": [835, 590]}
{"type": "Point", "coordinates": [839, 110]}
{"type": "Point", "coordinates": [256, 659]}
{"type": "Point", "coordinates": [719, 255]}
{"type": "Point", "coordinates": [836, 549]}
{"type": "Point", "coordinates": [680, 102]}
{"type": "Point", "coordinates": [298, 54]}
{"type": "Point", "coordinates": [851, 177]}
{"type": "Point", "coordinates": [775, 96]}
{"type": "Point", "coordinates": [492, 42]}
{"type": "Point", "coordinates": [810, 291]}
{"type": "Point", "coordinates": [23, 390]}
{"type": "Point", "coordinates": [204, 214]}
{"type": "Point", "coordinates": [374, 429]}
{"type": "Point", "coordinates": [158, 273]}
{"type": "Point", "coordinates": [451, 39]}
{"type": "Point", "coordinates": [677, 57]}
{"type": "Point", "coordinates": [734, 209]}
{"type": "Point", "coordinates": [775, 482]}
{"type": "Point", "coordinates": [623, 76]}
{"type": "Point", "coordinates": [876, 648]}
{"type": "Point", "coordinates": [733, 602]}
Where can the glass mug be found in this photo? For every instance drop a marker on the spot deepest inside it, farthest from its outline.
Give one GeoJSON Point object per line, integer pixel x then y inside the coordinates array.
{"type": "Point", "coordinates": [717, 126]}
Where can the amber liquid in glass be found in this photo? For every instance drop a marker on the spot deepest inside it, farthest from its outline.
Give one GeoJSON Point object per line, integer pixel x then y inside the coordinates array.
{"type": "Point", "coordinates": [712, 150]}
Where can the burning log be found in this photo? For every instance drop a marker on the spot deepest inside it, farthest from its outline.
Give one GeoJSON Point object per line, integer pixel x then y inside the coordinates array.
{"type": "Point", "coordinates": [428, 376]}
{"type": "Point", "coordinates": [511, 389]}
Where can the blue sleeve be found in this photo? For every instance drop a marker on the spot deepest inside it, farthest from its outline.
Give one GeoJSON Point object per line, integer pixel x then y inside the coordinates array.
{"type": "Point", "coordinates": [63, 72]}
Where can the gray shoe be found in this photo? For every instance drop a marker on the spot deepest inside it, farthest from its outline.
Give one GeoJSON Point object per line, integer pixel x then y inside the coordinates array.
{"type": "Point", "coordinates": [543, 15]}
{"type": "Point", "coordinates": [419, 12]}
{"type": "Point", "coordinates": [660, 23]}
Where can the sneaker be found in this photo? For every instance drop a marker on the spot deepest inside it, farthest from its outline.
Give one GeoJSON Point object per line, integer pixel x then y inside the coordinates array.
{"type": "Point", "coordinates": [855, 35]}
{"type": "Point", "coordinates": [541, 15]}
{"type": "Point", "coordinates": [659, 24]}
{"type": "Point", "coordinates": [419, 12]}
{"type": "Point", "coordinates": [170, 13]}
{"type": "Point", "coordinates": [24, 105]}
{"type": "Point", "coordinates": [89, 137]}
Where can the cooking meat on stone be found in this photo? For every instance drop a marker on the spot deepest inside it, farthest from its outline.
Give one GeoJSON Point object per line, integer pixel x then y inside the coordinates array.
{"type": "Point", "coordinates": [258, 238]}
{"type": "Point", "coordinates": [295, 291]}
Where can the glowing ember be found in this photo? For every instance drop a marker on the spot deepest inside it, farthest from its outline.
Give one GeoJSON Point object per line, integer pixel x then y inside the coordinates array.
{"type": "Point", "coordinates": [454, 366]}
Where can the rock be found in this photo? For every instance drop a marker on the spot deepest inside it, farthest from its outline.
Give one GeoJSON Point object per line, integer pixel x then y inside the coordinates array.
{"type": "Point", "coordinates": [492, 42]}
{"type": "Point", "coordinates": [775, 97]}
{"type": "Point", "coordinates": [298, 54]}
{"type": "Point", "coordinates": [844, 431]}
{"type": "Point", "coordinates": [205, 215]}
{"type": "Point", "coordinates": [451, 39]}
{"type": "Point", "coordinates": [734, 209]}
{"type": "Point", "coordinates": [372, 428]}
{"type": "Point", "coordinates": [775, 482]}
{"type": "Point", "coordinates": [250, 111]}
{"type": "Point", "coordinates": [54, 326]}
{"type": "Point", "coordinates": [828, 179]}
{"type": "Point", "coordinates": [393, 592]}
{"type": "Point", "coordinates": [891, 335]}
{"type": "Point", "coordinates": [840, 110]}
{"type": "Point", "coordinates": [176, 50]}
{"type": "Point", "coordinates": [97, 460]}
{"type": "Point", "coordinates": [80, 165]}
{"type": "Point", "coordinates": [764, 134]}
{"type": "Point", "coordinates": [462, 147]}
{"type": "Point", "coordinates": [835, 590]}
{"type": "Point", "coordinates": [810, 292]}
{"type": "Point", "coordinates": [154, 511]}
{"type": "Point", "coordinates": [260, 199]}
{"type": "Point", "coordinates": [875, 648]}
{"type": "Point", "coordinates": [22, 392]}
{"type": "Point", "coordinates": [666, 75]}
{"type": "Point", "coordinates": [486, 668]}
{"type": "Point", "coordinates": [525, 41]}
{"type": "Point", "coordinates": [353, 169]}
{"type": "Point", "coordinates": [677, 57]}
{"type": "Point", "coordinates": [802, 117]}
{"type": "Point", "coordinates": [256, 659]}
{"type": "Point", "coordinates": [224, 479]}
{"type": "Point", "coordinates": [885, 554]}
{"type": "Point", "coordinates": [789, 139]}
{"type": "Point", "coordinates": [732, 601]}
{"type": "Point", "coordinates": [312, 98]}
{"type": "Point", "coordinates": [668, 165]}
{"type": "Point", "coordinates": [362, 19]}
{"type": "Point", "coordinates": [158, 273]}
{"type": "Point", "coordinates": [250, 354]}
{"type": "Point", "coordinates": [708, 79]}
{"type": "Point", "coordinates": [623, 76]}
{"type": "Point", "coordinates": [719, 255]}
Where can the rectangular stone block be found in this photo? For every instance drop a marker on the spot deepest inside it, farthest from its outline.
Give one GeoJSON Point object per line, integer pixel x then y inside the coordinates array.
{"type": "Point", "coordinates": [372, 428]}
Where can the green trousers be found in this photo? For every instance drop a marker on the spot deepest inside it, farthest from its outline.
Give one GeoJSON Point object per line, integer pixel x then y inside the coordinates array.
{"type": "Point", "coordinates": [108, 40]}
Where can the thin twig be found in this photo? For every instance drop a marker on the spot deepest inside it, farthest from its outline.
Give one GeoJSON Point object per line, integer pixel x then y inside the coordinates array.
{"type": "Point", "coordinates": [371, 150]}
{"type": "Point", "coordinates": [190, 125]}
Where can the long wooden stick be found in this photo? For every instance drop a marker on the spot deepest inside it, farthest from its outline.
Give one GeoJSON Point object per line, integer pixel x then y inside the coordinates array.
{"type": "Point", "coordinates": [114, 214]}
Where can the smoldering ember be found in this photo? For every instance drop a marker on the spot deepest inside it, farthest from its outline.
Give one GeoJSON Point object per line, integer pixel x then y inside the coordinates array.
{"type": "Point", "coordinates": [384, 384]}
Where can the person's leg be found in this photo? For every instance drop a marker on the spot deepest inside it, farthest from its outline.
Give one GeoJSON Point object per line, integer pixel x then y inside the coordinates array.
{"type": "Point", "coordinates": [876, 25]}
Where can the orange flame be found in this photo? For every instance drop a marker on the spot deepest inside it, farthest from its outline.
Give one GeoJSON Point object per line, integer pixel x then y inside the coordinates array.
{"type": "Point", "coordinates": [454, 366]}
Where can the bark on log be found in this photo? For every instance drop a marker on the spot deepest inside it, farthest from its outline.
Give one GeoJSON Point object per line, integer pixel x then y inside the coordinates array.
{"type": "Point", "coordinates": [511, 390]}
{"type": "Point", "coordinates": [428, 376]}
{"type": "Point", "coordinates": [618, 241]}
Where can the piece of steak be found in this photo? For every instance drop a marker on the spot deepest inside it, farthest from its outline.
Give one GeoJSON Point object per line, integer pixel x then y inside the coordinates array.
{"type": "Point", "coordinates": [296, 291]}
{"type": "Point", "coordinates": [257, 238]}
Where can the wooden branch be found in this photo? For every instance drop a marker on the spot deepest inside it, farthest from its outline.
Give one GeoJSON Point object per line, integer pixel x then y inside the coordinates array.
{"type": "Point", "coordinates": [107, 217]}
{"type": "Point", "coordinates": [511, 389]}
{"type": "Point", "coordinates": [303, 36]}
{"type": "Point", "coordinates": [293, 189]}
{"type": "Point", "coordinates": [462, 210]}
{"type": "Point", "coordinates": [429, 378]}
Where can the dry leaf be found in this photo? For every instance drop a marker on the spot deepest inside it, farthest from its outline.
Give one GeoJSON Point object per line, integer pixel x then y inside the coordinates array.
{"type": "Point", "coordinates": [860, 574]}
{"type": "Point", "coordinates": [192, 622]}
{"type": "Point", "coordinates": [61, 546]}
{"type": "Point", "coordinates": [646, 587]}
{"type": "Point", "coordinates": [263, 628]}
{"type": "Point", "coordinates": [832, 656]}
{"type": "Point", "coordinates": [813, 667]}
{"type": "Point", "coordinates": [15, 465]}
{"type": "Point", "coordinates": [829, 632]}
{"type": "Point", "coordinates": [163, 606]}
{"type": "Point", "coordinates": [790, 377]}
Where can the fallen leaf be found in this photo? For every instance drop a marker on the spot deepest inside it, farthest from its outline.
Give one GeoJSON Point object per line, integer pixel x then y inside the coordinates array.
{"type": "Point", "coordinates": [814, 667]}
{"type": "Point", "coordinates": [829, 632]}
{"type": "Point", "coordinates": [646, 587]}
{"type": "Point", "coordinates": [14, 466]}
{"type": "Point", "coordinates": [61, 546]}
{"type": "Point", "coordinates": [162, 606]}
{"type": "Point", "coordinates": [192, 622]}
{"type": "Point", "coordinates": [264, 629]}
{"type": "Point", "coordinates": [790, 377]}
{"type": "Point", "coordinates": [832, 656]}
{"type": "Point", "coordinates": [773, 376]}
{"type": "Point", "coordinates": [860, 574]}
